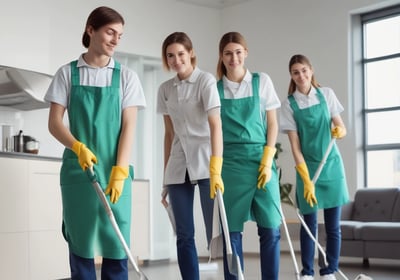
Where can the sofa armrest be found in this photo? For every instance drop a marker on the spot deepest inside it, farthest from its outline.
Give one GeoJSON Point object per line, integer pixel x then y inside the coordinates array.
{"type": "Point", "coordinates": [347, 211]}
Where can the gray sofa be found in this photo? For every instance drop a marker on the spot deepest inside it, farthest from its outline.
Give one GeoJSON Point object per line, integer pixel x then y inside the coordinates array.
{"type": "Point", "coordinates": [370, 224]}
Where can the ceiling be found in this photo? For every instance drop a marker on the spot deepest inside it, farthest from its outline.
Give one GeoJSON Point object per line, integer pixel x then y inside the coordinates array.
{"type": "Point", "coordinates": [218, 4]}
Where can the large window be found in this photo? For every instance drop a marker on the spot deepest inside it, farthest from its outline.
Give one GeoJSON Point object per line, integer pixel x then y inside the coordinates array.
{"type": "Point", "coordinates": [381, 75]}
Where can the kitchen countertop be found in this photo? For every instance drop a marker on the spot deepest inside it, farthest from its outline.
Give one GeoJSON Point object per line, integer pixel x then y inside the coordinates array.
{"type": "Point", "coordinates": [27, 156]}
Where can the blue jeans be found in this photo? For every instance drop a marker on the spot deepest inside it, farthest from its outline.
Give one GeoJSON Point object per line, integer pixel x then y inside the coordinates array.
{"type": "Point", "coordinates": [333, 241]}
{"type": "Point", "coordinates": [181, 197]}
{"type": "Point", "coordinates": [269, 253]}
{"type": "Point", "coordinates": [84, 269]}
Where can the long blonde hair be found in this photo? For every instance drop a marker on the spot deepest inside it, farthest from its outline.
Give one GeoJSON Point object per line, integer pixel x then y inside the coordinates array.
{"type": "Point", "coordinates": [302, 59]}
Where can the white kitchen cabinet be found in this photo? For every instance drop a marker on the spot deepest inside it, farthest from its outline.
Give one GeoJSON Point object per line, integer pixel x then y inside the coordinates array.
{"type": "Point", "coordinates": [140, 226]}
{"type": "Point", "coordinates": [14, 198]}
{"type": "Point", "coordinates": [14, 255]}
{"type": "Point", "coordinates": [48, 251]}
{"type": "Point", "coordinates": [30, 212]}
{"type": "Point", "coordinates": [31, 242]}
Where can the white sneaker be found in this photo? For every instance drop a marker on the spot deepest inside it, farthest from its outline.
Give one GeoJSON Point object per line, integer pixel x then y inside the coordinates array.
{"type": "Point", "coordinates": [363, 277]}
{"type": "Point", "coordinates": [306, 277]}
{"type": "Point", "coordinates": [328, 277]}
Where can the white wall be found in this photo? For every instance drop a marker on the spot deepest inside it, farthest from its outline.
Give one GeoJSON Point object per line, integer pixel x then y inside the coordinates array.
{"type": "Point", "coordinates": [42, 35]}
{"type": "Point", "coordinates": [45, 34]}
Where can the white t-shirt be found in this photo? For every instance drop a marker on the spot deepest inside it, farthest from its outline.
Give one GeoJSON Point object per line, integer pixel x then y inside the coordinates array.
{"type": "Point", "coordinates": [187, 103]}
{"type": "Point", "coordinates": [130, 87]}
{"type": "Point", "coordinates": [287, 122]}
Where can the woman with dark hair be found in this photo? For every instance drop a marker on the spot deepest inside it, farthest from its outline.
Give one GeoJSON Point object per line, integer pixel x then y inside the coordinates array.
{"type": "Point", "coordinates": [102, 98]}
{"type": "Point", "coordinates": [192, 145]}
{"type": "Point", "coordinates": [311, 117]}
{"type": "Point", "coordinates": [250, 129]}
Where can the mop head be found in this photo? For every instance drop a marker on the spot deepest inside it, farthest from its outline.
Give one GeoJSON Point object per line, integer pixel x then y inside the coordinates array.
{"type": "Point", "coordinates": [363, 277]}
{"type": "Point", "coordinates": [208, 266]}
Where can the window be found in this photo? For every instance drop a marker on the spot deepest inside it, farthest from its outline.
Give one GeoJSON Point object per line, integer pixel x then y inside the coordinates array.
{"type": "Point", "coordinates": [381, 91]}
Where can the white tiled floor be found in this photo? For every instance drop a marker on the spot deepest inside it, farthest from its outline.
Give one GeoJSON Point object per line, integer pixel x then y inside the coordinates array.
{"type": "Point", "coordinates": [351, 267]}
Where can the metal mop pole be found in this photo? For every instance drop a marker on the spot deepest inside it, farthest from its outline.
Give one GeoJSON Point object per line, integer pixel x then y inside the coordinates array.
{"type": "Point", "coordinates": [114, 224]}
{"type": "Point", "coordinates": [323, 161]}
{"type": "Point", "coordinates": [296, 267]}
{"type": "Point", "coordinates": [314, 180]}
{"type": "Point", "coordinates": [232, 259]}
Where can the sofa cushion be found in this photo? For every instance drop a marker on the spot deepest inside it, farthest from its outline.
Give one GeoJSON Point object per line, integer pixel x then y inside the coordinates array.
{"type": "Point", "coordinates": [351, 230]}
{"type": "Point", "coordinates": [374, 204]}
{"type": "Point", "coordinates": [381, 231]}
{"type": "Point", "coordinates": [353, 248]}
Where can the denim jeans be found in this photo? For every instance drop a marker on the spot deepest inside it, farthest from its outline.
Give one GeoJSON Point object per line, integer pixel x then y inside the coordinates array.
{"type": "Point", "coordinates": [84, 269]}
{"type": "Point", "coordinates": [181, 197]}
{"type": "Point", "coordinates": [269, 253]}
{"type": "Point", "coordinates": [333, 241]}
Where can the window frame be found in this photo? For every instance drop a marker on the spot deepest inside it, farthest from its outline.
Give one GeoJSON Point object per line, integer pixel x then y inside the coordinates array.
{"type": "Point", "coordinates": [365, 19]}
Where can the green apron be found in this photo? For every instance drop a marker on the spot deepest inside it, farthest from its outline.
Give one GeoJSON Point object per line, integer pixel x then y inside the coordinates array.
{"type": "Point", "coordinates": [95, 120]}
{"type": "Point", "coordinates": [244, 132]}
{"type": "Point", "coordinates": [314, 129]}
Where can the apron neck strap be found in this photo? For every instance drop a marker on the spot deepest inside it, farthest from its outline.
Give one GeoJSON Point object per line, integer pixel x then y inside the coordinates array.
{"type": "Point", "coordinates": [75, 80]}
{"type": "Point", "coordinates": [255, 82]}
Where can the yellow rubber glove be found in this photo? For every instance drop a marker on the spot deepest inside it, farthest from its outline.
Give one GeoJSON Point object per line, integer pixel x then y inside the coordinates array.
{"type": "Point", "coordinates": [215, 176]}
{"type": "Point", "coordinates": [116, 183]}
{"type": "Point", "coordinates": [309, 188]}
{"type": "Point", "coordinates": [85, 156]}
{"type": "Point", "coordinates": [338, 132]}
{"type": "Point", "coordinates": [264, 171]}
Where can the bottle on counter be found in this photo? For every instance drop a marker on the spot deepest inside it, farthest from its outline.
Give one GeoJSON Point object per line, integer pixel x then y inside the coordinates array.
{"type": "Point", "coordinates": [20, 142]}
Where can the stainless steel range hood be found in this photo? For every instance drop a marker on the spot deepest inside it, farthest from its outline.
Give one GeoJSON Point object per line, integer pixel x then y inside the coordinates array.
{"type": "Point", "coordinates": [23, 89]}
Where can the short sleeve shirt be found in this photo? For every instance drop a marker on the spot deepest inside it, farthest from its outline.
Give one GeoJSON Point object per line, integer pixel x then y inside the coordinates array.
{"type": "Point", "coordinates": [269, 100]}
{"type": "Point", "coordinates": [287, 122]}
{"type": "Point", "coordinates": [187, 102]}
{"type": "Point", "coordinates": [131, 90]}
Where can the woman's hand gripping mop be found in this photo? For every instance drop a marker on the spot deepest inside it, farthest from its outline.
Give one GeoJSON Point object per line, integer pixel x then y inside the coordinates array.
{"type": "Point", "coordinates": [320, 248]}
{"type": "Point", "coordinates": [110, 214]}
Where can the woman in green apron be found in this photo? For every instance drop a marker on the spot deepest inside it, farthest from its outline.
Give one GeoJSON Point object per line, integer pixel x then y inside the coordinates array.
{"type": "Point", "coordinates": [101, 97]}
{"type": "Point", "coordinates": [311, 117]}
{"type": "Point", "coordinates": [250, 129]}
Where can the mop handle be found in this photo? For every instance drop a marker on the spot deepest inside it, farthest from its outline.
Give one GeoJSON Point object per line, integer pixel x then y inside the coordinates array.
{"type": "Point", "coordinates": [296, 267]}
{"type": "Point", "coordinates": [321, 250]}
{"type": "Point", "coordinates": [224, 222]}
{"type": "Point", "coordinates": [110, 214]}
{"type": "Point", "coordinates": [323, 161]}
{"type": "Point", "coordinates": [312, 236]}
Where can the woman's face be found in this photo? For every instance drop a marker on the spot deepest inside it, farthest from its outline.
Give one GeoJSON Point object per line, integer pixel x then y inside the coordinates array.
{"type": "Point", "coordinates": [179, 60]}
{"type": "Point", "coordinates": [301, 74]}
{"type": "Point", "coordinates": [233, 56]}
{"type": "Point", "coordinates": [104, 40]}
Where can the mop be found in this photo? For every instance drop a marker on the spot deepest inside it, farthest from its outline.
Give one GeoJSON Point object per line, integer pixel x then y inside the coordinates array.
{"type": "Point", "coordinates": [232, 259]}
{"type": "Point", "coordinates": [296, 267]}
{"type": "Point", "coordinates": [107, 208]}
{"type": "Point", "coordinates": [209, 266]}
{"type": "Point", "coordinates": [320, 248]}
